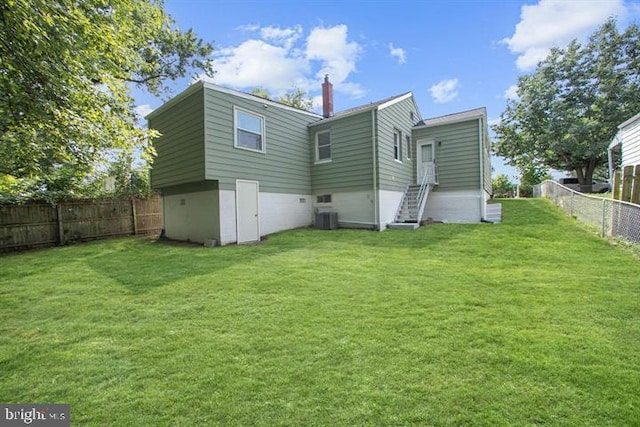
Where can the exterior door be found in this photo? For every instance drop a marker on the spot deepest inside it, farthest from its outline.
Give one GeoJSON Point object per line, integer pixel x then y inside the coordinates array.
{"type": "Point", "coordinates": [247, 220]}
{"type": "Point", "coordinates": [426, 158]}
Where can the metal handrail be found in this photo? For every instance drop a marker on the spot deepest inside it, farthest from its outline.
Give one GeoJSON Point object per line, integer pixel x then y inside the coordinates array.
{"type": "Point", "coordinates": [429, 179]}
{"type": "Point", "coordinates": [404, 195]}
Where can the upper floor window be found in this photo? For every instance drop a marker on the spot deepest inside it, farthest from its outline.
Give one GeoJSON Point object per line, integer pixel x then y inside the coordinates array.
{"type": "Point", "coordinates": [323, 146]}
{"type": "Point", "coordinates": [408, 139]}
{"type": "Point", "coordinates": [397, 145]}
{"type": "Point", "coordinates": [249, 130]}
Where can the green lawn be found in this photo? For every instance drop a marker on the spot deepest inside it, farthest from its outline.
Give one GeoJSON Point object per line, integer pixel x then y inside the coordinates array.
{"type": "Point", "coordinates": [534, 321]}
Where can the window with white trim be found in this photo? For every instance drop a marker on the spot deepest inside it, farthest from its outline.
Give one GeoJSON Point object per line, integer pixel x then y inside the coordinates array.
{"type": "Point", "coordinates": [397, 145]}
{"type": "Point", "coordinates": [323, 146]}
{"type": "Point", "coordinates": [408, 140]}
{"type": "Point", "coordinates": [249, 130]}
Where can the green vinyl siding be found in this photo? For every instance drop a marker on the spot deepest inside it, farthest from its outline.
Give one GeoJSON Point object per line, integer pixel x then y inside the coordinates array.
{"type": "Point", "coordinates": [394, 175]}
{"type": "Point", "coordinates": [457, 154]}
{"type": "Point", "coordinates": [180, 148]}
{"type": "Point", "coordinates": [351, 165]}
{"type": "Point", "coordinates": [284, 165]}
{"type": "Point", "coordinates": [486, 154]}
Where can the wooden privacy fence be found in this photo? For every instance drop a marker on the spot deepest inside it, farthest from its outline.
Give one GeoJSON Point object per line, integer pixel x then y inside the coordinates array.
{"type": "Point", "coordinates": [41, 224]}
{"type": "Point", "coordinates": [626, 184]}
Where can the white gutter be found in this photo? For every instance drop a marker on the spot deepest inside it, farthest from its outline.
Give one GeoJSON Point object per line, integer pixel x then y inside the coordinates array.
{"type": "Point", "coordinates": [616, 142]}
{"type": "Point", "coordinates": [480, 139]}
{"type": "Point", "coordinates": [376, 208]}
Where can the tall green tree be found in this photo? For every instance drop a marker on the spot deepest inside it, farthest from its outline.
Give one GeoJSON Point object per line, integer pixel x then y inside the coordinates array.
{"type": "Point", "coordinates": [66, 72]}
{"type": "Point", "coordinates": [568, 110]}
{"type": "Point", "coordinates": [501, 186]}
{"type": "Point", "coordinates": [296, 97]}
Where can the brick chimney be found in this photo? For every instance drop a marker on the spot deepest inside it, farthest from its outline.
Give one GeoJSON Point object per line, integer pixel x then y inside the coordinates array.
{"type": "Point", "coordinates": [327, 98]}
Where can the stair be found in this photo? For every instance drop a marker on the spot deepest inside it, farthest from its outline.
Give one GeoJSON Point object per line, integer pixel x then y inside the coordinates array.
{"type": "Point", "coordinates": [414, 201]}
{"type": "Point", "coordinates": [408, 214]}
{"type": "Point", "coordinates": [409, 206]}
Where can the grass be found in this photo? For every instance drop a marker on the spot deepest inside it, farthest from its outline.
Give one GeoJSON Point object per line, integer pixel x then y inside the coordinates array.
{"type": "Point", "coordinates": [534, 321]}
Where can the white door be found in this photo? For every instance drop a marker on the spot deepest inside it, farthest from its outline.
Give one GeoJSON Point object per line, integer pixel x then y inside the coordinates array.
{"type": "Point", "coordinates": [426, 158]}
{"type": "Point", "coordinates": [247, 220]}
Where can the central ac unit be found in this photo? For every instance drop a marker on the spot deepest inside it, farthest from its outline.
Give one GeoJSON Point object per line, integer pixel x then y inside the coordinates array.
{"type": "Point", "coordinates": [327, 220]}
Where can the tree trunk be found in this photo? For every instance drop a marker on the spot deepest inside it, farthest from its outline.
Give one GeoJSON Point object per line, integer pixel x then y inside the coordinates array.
{"type": "Point", "coordinates": [586, 183]}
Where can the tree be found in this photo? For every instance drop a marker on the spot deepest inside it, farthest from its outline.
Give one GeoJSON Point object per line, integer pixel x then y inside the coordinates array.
{"type": "Point", "coordinates": [296, 97]}
{"type": "Point", "coordinates": [568, 110]}
{"type": "Point", "coordinates": [530, 176]}
{"type": "Point", "coordinates": [501, 186]}
{"type": "Point", "coordinates": [261, 92]}
{"type": "Point", "coordinates": [66, 72]}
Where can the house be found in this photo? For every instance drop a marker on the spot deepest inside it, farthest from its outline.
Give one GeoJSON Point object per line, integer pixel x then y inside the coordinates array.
{"type": "Point", "coordinates": [624, 150]}
{"type": "Point", "coordinates": [233, 167]}
{"type": "Point", "coordinates": [625, 146]}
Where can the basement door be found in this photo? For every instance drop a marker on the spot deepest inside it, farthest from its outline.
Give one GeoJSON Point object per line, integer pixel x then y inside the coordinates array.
{"type": "Point", "coordinates": [247, 220]}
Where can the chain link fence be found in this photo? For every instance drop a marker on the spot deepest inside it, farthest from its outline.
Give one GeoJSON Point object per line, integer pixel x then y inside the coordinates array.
{"type": "Point", "coordinates": [613, 218]}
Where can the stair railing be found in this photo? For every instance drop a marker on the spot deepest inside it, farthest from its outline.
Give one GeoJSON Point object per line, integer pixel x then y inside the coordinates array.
{"type": "Point", "coordinates": [404, 196]}
{"type": "Point", "coordinates": [429, 178]}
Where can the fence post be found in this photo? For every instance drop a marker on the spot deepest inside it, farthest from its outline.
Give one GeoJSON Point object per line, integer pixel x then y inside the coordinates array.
{"type": "Point", "coordinates": [571, 206]}
{"type": "Point", "coordinates": [627, 183]}
{"type": "Point", "coordinates": [616, 185]}
{"type": "Point", "coordinates": [635, 187]}
{"type": "Point", "coordinates": [135, 216]}
{"type": "Point", "coordinates": [60, 225]}
{"type": "Point", "coordinates": [604, 216]}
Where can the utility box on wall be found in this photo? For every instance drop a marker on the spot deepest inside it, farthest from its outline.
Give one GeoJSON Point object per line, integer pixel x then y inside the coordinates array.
{"type": "Point", "coordinates": [327, 220]}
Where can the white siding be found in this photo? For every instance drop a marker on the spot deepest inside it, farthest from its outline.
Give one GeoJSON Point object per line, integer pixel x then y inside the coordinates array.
{"type": "Point", "coordinates": [630, 136]}
{"type": "Point", "coordinates": [354, 208]}
{"type": "Point", "coordinates": [389, 203]}
{"type": "Point", "coordinates": [227, 217]}
{"type": "Point", "coordinates": [280, 211]}
{"type": "Point", "coordinates": [455, 206]}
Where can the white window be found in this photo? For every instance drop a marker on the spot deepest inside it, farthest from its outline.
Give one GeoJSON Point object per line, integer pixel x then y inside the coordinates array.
{"type": "Point", "coordinates": [323, 146]}
{"type": "Point", "coordinates": [408, 138]}
{"type": "Point", "coordinates": [249, 130]}
{"type": "Point", "coordinates": [397, 145]}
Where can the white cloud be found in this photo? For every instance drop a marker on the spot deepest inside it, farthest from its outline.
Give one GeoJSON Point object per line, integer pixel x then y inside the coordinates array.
{"type": "Point", "coordinates": [399, 53]}
{"type": "Point", "coordinates": [555, 23]}
{"type": "Point", "coordinates": [282, 36]}
{"type": "Point", "coordinates": [511, 92]}
{"type": "Point", "coordinates": [258, 63]}
{"type": "Point", "coordinates": [248, 28]}
{"type": "Point", "coordinates": [444, 91]}
{"type": "Point", "coordinates": [141, 111]}
{"type": "Point", "coordinates": [338, 56]}
{"type": "Point", "coordinates": [280, 58]}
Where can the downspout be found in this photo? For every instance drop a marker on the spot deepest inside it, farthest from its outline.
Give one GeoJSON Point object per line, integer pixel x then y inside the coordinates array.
{"type": "Point", "coordinates": [376, 208]}
{"type": "Point", "coordinates": [481, 158]}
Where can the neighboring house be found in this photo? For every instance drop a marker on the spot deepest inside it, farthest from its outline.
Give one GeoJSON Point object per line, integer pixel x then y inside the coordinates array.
{"type": "Point", "coordinates": [233, 167]}
{"type": "Point", "coordinates": [625, 146]}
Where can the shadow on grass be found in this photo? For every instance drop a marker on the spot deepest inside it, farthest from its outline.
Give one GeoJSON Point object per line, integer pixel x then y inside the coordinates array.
{"type": "Point", "coordinates": [142, 265]}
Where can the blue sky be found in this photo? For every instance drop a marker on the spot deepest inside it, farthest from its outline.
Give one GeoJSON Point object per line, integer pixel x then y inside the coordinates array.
{"type": "Point", "coordinates": [453, 55]}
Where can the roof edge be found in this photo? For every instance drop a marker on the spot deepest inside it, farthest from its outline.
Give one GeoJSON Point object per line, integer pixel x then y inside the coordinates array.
{"type": "Point", "coordinates": [448, 119]}
{"type": "Point", "coordinates": [377, 105]}
{"type": "Point", "coordinates": [201, 84]}
{"type": "Point", "coordinates": [628, 122]}
{"type": "Point", "coordinates": [188, 91]}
